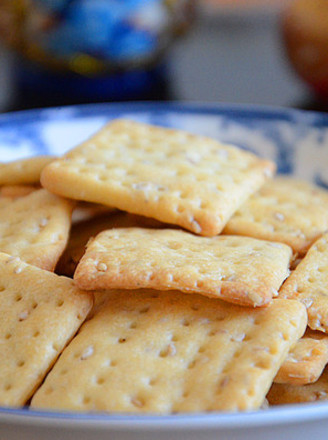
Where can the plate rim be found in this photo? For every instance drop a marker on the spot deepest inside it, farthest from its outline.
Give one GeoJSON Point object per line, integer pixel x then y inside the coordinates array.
{"type": "Point", "coordinates": [290, 114]}
{"type": "Point", "coordinates": [277, 415]}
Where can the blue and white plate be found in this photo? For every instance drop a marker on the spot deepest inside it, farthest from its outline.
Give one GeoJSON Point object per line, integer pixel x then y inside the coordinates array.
{"type": "Point", "coordinates": [297, 141]}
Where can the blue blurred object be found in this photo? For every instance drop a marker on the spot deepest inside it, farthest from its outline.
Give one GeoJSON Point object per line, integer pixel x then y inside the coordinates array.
{"type": "Point", "coordinates": [110, 31]}
{"type": "Point", "coordinates": [40, 88]}
{"type": "Point", "coordinates": [73, 51]}
{"type": "Point", "coordinates": [105, 30]}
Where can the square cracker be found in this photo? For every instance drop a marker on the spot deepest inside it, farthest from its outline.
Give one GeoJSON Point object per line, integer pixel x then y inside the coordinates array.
{"type": "Point", "coordinates": [5, 201]}
{"type": "Point", "coordinates": [164, 352]}
{"type": "Point", "coordinates": [308, 283]}
{"type": "Point", "coordinates": [39, 313]}
{"type": "Point", "coordinates": [16, 191]}
{"type": "Point", "coordinates": [281, 394]}
{"type": "Point", "coordinates": [240, 270]}
{"type": "Point", "coordinates": [23, 171]}
{"type": "Point", "coordinates": [305, 361]}
{"type": "Point", "coordinates": [287, 210]}
{"type": "Point", "coordinates": [83, 231]}
{"type": "Point", "coordinates": [170, 175]}
{"type": "Point", "coordinates": [87, 211]}
{"type": "Point", "coordinates": [35, 228]}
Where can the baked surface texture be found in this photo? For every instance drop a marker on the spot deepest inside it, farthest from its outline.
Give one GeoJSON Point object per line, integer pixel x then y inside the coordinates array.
{"type": "Point", "coordinates": [35, 228]}
{"type": "Point", "coordinates": [170, 175]}
{"type": "Point", "coordinates": [286, 210]}
{"type": "Point", "coordinates": [39, 314]}
{"type": "Point", "coordinates": [164, 352]}
{"type": "Point", "coordinates": [241, 270]}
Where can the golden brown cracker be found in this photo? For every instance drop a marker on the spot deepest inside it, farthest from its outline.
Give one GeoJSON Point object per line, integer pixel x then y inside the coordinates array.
{"type": "Point", "coordinates": [23, 171]}
{"type": "Point", "coordinates": [16, 191]}
{"type": "Point", "coordinates": [305, 361]}
{"type": "Point", "coordinates": [35, 228]}
{"type": "Point", "coordinates": [87, 211]}
{"type": "Point", "coordinates": [170, 175]}
{"type": "Point", "coordinates": [39, 313]}
{"type": "Point", "coordinates": [286, 210]}
{"type": "Point", "coordinates": [82, 232]}
{"type": "Point", "coordinates": [308, 283]}
{"type": "Point", "coordinates": [281, 394]}
{"type": "Point", "coordinates": [5, 201]}
{"type": "Point", "coordinates": [240, 270]}
{"type": "Point", "coordinates": [166, 352]}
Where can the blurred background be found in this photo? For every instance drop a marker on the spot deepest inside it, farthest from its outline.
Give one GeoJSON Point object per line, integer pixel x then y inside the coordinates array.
{"type": "Point", "coordinates": [58, 52]}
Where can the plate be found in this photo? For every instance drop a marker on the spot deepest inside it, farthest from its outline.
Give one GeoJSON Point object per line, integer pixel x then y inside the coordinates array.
{"type": "Point", "coordinates": [296, 140]}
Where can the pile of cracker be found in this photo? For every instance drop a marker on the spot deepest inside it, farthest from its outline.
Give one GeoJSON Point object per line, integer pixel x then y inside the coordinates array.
{"type": "Point", "coordinates": [150, 270]}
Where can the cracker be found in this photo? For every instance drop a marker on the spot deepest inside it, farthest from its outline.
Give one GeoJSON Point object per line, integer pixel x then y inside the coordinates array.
{"type": "Point", "coordinates": [100, 297]}
{"type": "Point", "coordinates": [39, 313]}
{"type": "Point", "coordinates": [164, 352]}
{"type": "Point", "coordinates": [281, 394]}
{"type": "Point", "coordinates": [308, 283]}
{"type": "Point", "coordinates": [35, 228]}
{"type": "Point", "coordinates": [23, 171]}
{"type": "Point", "coordinates": [306, 361]}
{"type": "Point", "coordinates": [82, 231]}
{"type": "Point", "coordinates": [240, 270]}
{"type": "Point", "coordinates": [87, 211]}
{"type": "Point", "coordinates": [170, 175]}
{"type": "Point", "coordinates": [5, 201]}
{"type": "Point", "coordinates": [16, 191]}
{"type": "Point", "coordinates": [287, 210]}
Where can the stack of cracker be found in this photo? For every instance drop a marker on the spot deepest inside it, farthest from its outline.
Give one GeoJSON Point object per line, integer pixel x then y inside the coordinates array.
{"type": "Point", "coordinates": [169, 289]}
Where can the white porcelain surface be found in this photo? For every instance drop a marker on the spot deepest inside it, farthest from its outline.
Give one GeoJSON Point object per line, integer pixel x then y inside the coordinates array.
{"type": "Point", "coordinates": [296, 140]}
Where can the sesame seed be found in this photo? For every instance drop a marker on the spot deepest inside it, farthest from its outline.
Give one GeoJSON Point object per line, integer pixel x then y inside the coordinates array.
{"type": "Point", "coordinates": [22, 316]}
{"type": "Point", "coordinates": [136, 402]}
{"type": "Point", "coordinates": [171, 350]}
{"type": "Point", "coordinates": [43, 222]}
{"type": "Point", "coordinates": [279, 216]}
{"type": "Point", "coordinates": [87, 353]}
{"type": "Point", "coordinates": [102, 267]}
{"type": "Point", "coordinates": [238, 338]}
